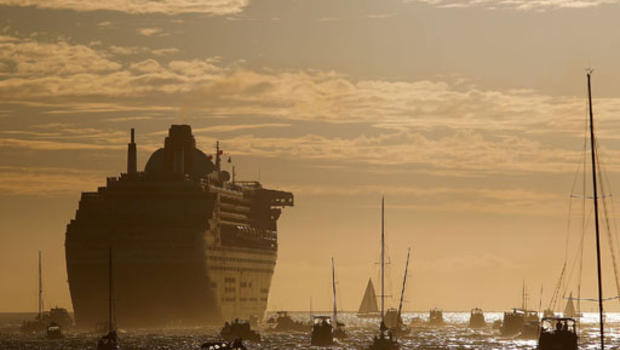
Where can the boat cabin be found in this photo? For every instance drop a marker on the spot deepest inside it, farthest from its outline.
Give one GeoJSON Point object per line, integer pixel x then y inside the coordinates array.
{"type": "Point", "coordinates": [558, 333]}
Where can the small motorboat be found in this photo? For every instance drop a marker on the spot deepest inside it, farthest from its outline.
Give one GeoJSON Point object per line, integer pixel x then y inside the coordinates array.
{"type": "Point", "coordinates": [322, 331]}
{"type": "Point", "coordinates": [435, 317]}
{"type": "Point", "coordinates": [557, 333]}
{"type": "Point", "coordinates": [476, 318]}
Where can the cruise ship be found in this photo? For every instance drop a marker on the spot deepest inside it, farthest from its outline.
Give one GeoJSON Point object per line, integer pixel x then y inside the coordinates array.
{"type": "Point", "coordinates": [191, 245]}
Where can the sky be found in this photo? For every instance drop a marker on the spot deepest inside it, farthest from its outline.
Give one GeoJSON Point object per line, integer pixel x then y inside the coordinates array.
{"type": "Point", "coordinates": [467, 115]}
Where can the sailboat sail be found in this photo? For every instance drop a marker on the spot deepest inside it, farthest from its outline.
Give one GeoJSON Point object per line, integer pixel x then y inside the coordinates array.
{"type": "Point", "coordinates": [569, 310]}
{"type": "Point", "coordinates": [369, 301]}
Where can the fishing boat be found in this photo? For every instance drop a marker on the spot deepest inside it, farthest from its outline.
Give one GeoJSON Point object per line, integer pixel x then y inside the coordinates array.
{"type": "Point", "coordinates": [385, 339]}
{"type": "Point", "coordinates": [476, 318]}
{"type": "Point", "coordinates": [368, 307]}
{"type": "Point", "coordinates": [564, 334]}
{"type": "Point", "coordinates": [393, 317]}
{"type": "Point", "coordinates": [109, 341]}
{"type": "Point", "coordinates": [558, 334]}
{"type": "Point", "coordinates": [338, 327]}
{"type": "Point", "coordinates": [322, 331]}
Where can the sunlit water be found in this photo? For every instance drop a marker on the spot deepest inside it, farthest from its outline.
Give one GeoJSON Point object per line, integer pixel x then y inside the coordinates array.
{"type": "Point", "coordinates": [453, 335]}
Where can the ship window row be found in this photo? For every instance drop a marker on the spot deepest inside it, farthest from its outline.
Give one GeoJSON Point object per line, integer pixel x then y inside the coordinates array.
{"type": "Point", "coordinates": [264, 290]}
{"type": "Point", "coordinates": [230, 290]}
{"type": "Point", "coordinates": [253, 261]}
{"type": "Point", "coordinates": [245, 284]}
{"type": "Point", "coordinates": [230, 279]}
{"type": "Point", "coordinates": [228, 299]}
{"type": "Point", "coordinates": [247, 299]}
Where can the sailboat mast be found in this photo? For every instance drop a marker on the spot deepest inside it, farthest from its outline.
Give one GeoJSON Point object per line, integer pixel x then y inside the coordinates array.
{"type": "Point", "coordinates": [402, 291]}
{"type": "Point", "coordinates": [382, 256]}
{"type": "Point", "coordinates": [334, 292]}
{"type": "Point", "coordinates": [110, 289]}
{"type": "Point", "coordinates": [595, 199]}
{"type": "Point", "coordinates": [40, 288]}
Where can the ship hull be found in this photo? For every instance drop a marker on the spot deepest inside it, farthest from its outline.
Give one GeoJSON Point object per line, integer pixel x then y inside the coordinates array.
{"type": "Point", "coordinates": [198, 287]}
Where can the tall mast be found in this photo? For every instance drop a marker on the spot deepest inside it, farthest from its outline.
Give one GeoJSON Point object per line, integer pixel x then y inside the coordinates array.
{"type": "Point", "coordinates": [596, 224]}
{"type": "Point", "coordinates": [334, 292]}
{"type": "Point", "coordinates": [110, 325]}
{"type": "Point", "coordinates": [402, 291]}
{"type": "Point", "coordinates": [40, 288]}
{"type": "Point", "coordinates": [382, 256]}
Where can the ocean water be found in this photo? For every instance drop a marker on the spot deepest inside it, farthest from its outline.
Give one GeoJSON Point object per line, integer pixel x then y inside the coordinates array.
{"type": "Point", "coordinates": [453, 335]}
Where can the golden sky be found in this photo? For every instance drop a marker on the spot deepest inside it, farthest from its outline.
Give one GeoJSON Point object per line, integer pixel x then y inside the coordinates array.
{"type": "Point", "coordinates": [467, 115]}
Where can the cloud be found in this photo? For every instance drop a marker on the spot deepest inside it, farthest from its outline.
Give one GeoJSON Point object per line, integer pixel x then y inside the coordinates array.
{"type": "Point", "coordinates": [522, 5]}
{"type": "Point", "coordinates": [151, 32]}
{"type": "Point", "coordinates": [168, 7]}
{"type": "Point", "coordinates": [45, 181]}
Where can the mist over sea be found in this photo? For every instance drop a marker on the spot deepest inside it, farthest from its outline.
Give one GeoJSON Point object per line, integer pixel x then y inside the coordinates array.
{"type": "Point", "coordinates": [455, 334]}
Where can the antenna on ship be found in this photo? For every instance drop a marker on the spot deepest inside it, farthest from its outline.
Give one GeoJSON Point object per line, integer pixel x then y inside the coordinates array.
{"type": "Point", "coordinates": [40, 289]}
{"type": "Point", "coordinates": [132, 159]}
{"type": "Point", "coordinates": [595, 199]}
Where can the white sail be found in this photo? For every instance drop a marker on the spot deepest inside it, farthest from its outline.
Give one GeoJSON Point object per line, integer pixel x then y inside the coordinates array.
{"type": "Point", "coordinates": [369, 301]}
{"type": "Point", "coordinates": [569, 310]}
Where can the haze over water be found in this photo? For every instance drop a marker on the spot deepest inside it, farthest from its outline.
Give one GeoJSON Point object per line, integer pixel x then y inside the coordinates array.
{"type": "Point", "coordinates": [453, 335]}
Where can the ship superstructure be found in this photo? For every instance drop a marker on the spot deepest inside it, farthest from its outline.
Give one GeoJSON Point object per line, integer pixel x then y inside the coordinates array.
{"type": "Point", "coordinates": [191, 246]}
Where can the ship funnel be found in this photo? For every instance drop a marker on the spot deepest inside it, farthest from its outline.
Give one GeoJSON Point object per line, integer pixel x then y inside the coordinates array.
{"type": "Point", "coordinates": [132, 157]}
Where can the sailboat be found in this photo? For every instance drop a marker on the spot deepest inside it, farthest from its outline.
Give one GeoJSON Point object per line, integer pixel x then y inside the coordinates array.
{"type": "Point", "coordinates": [384, 341]}
{"type": "Point", "coordinates": [368, 306]}
{"type": "Point", "coordinates": [110, 340]}
{"type": "Point", "coordinates": [338, 327]}
{"type": "Point", "coordinates": [561, 333]}
{"type": "Point", "coordinates": [569, 310]}
{"type": "Point", "coordinates": [393, 317]}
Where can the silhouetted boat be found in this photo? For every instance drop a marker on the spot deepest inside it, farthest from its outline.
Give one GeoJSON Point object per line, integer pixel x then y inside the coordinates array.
{"type": "Point", "coordinates": [557, 334]}
{"type": "Point", "coordinates": [476, 318]}
{"type": "Point", "coordinates": [385, 339]}
{"type": "Point", "coordinates": [322, 331]}
{"type": "Point", "coordinates": [109, 341]}
{"type": "Point", "coordinates": [564, 334]}
{"type": "Point", "coordinates": [198, 246]}
{"type": "Point", "coordinates": [515, 320]}
{"type": "Point", "coordinates": [338, 327]}
{"type": "Point", "coordinates": [368, 306]}
{"type": "Point", "coordinates": [239, 330]}
{"type": "Point", "coordinates": [57, 315]}
{"type": "Point", "coordinates": [284, 323]}
{"type": "Point", "coordinates": [435, 317]}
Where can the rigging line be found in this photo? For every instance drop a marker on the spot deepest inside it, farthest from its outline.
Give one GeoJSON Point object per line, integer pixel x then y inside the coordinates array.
{"type": "Point", "coordinates": [606, 217]}
{"type": "Point", "coordinates": [596, 300]}
{"type": "Point", "coordinates": [556, 291]}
